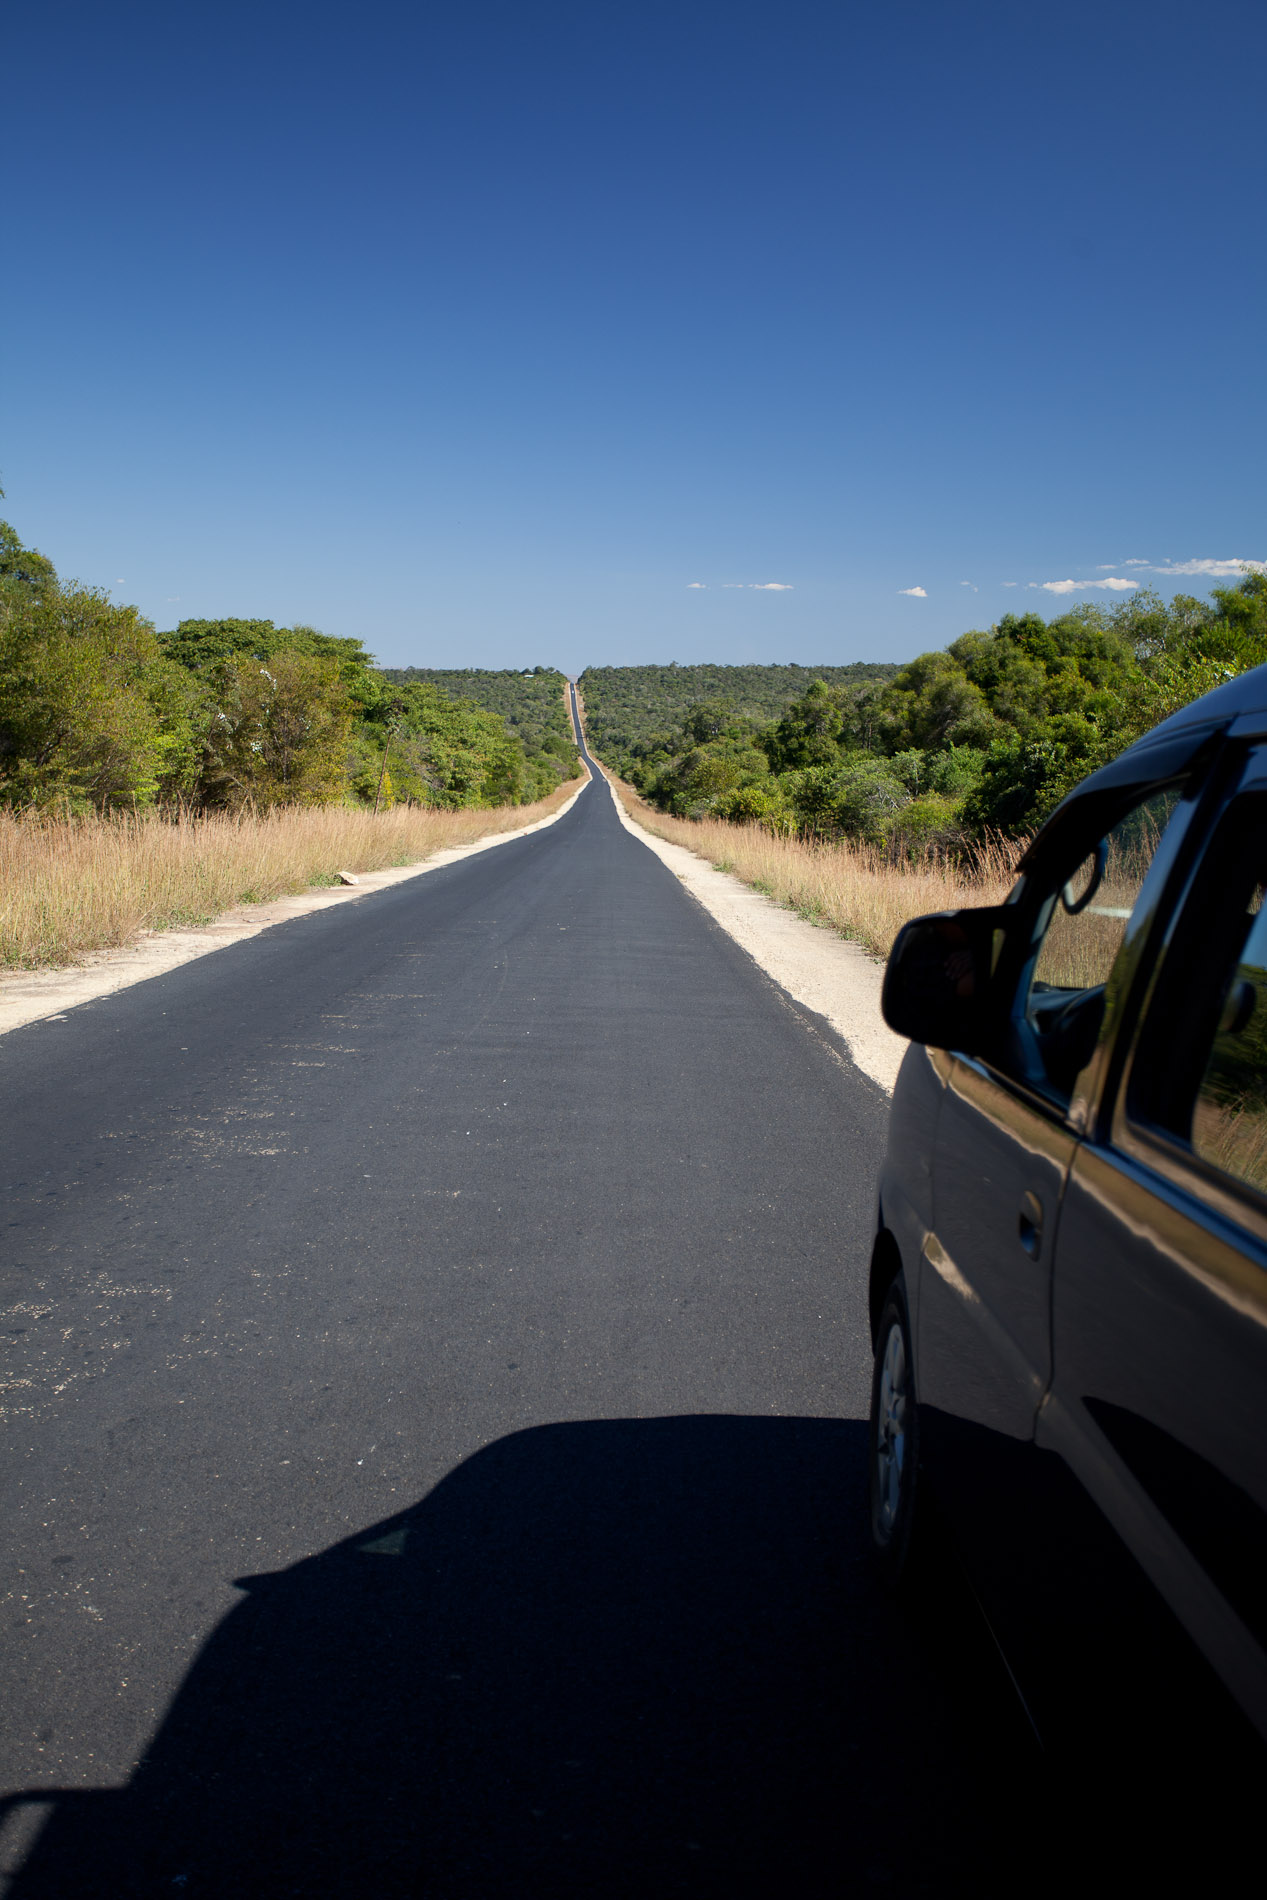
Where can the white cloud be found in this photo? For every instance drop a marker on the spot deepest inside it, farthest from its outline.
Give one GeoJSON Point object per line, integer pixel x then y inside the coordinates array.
{"type": "Point", "coordinates": [732, 583]}
{"type": "Point", "coordinates": [1011, 583]}
{"type": "Point", "coordinates": [1215, 570]}
{"type": "Point", "coordinates": [972, 585]}
{"type": "Point", "coordinates": [1132, 563]}
{"type": "Point", "coordinates": [771, 587]}
{"type": "Point", "coordinates": [1105, 567]}
{"type": "Point", "coordinates": [118, 580]}
{"type": "Point", "coordinates": [703, 584]}
{"type": "Point", "coordinates": [1111, 581]}
{"type": "Point", "coordinates": [919, 592]}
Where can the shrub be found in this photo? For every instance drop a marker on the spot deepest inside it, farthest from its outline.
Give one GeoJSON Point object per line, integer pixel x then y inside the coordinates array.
{"type": "Point", "coordinates": [279, 735]}
{"type": "Point", "coordinates": [858, 799]}
{"type": "Point", "coordinates": [751, 803]}
{"type": "Point", "coordinates": [927, 827]}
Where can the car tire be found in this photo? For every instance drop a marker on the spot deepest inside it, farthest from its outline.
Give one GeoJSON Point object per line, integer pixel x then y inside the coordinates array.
{"type": "Point", "coordinates": [893, 1443]}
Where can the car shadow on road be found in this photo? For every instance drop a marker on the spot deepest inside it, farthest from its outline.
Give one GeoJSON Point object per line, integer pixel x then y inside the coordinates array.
{"type": "Point", "coordinates": [630, 1658]}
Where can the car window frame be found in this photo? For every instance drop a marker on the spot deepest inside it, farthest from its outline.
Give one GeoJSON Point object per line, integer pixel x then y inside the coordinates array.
{"type": "Point", "coordinates": [1086, 816]}
{"type": "Point", "coordinates": [1232, 1203]}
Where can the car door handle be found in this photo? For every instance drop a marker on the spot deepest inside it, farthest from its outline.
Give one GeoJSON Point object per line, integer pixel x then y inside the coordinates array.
{"type": "Point", "coordinates": [1029, 1225]}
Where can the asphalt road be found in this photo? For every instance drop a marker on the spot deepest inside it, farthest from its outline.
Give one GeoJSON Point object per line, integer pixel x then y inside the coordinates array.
{"type": "Point", "coordinates": [434, 1423]}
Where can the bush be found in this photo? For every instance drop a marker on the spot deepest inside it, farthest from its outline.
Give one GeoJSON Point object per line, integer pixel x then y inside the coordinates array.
{"type": "Point", "coordinates": [279, 735]}
{"type": "Point", "coordinates": [927, 827]}
{"type": "Point", "coordinates": [858, 799]}
{"type": "Point", "coordinates": [751, 804]}
{"type": "Point", "coordinates": [705, 776]}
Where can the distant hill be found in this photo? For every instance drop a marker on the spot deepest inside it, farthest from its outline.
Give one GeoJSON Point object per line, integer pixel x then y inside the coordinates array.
{"type": "Point", "coordinates": [628, 707]}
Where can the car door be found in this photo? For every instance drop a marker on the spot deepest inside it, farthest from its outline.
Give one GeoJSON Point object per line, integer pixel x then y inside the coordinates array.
{"type": "Point", "coordinates": [1158, 1405]}
{"type": "Point", "coordinates": [1006, 1141]}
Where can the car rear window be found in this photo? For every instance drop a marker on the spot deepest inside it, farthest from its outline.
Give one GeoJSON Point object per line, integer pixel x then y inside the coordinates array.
{"type": "Point", "coordinates": [1229, 1119]}
{"type": "Point", "coordinates": [1201, 1071]}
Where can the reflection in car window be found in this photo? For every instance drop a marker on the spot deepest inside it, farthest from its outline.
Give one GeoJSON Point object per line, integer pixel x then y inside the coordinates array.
{"type": "Point", "coordinates": [1065, 1005]}
{"type": "Point", "coordinates": [1089, 921]}
{"type": "Point", "coordinates": [1199, 1074]}
{"type": "Point", "coordinates": [1229, 1120]}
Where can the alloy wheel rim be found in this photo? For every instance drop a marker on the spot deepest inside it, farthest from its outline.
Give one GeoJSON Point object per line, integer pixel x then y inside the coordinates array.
{"type": "Point", "coordinates": [890, 1437]}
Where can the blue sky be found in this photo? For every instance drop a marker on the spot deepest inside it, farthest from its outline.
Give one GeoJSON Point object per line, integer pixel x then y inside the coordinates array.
{"type": "Point", "coordinates": [573, 334]}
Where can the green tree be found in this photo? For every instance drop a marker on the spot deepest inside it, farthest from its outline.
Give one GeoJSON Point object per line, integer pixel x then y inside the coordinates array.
{"type": "Point", "coordinates": [204, 645]}
{"type": "Point", "coordinates": [808, 734]}
{"type": "Point", "coordinates": [530, 712]}
{"type": "Point", "coordinates": [1186, 648]}
{"type": "Point", "coordinates": [93, 716]}
{"type": "Point", "coordinates": [23, 567]}
{"type": "Point", "coordinates": [279, 732]}
{"type": "Point", "coordinates": [933, 703]}
{"type": "Point", "coordinates": [447, 752]}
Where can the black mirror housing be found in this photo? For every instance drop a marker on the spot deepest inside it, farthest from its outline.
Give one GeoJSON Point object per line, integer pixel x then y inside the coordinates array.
{"type": "Point", "coordinates": [939, 983]}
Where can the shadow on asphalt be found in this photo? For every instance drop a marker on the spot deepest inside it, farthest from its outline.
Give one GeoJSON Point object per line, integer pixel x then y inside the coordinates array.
{"type": "Point", "coordinates": [626, 1658]}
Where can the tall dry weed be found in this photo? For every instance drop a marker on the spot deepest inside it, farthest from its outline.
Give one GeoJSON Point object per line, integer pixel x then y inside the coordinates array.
{"type": "Point", "coordinates": [850, 887]}
{"type": "Point", "coordinates": [71, 885]}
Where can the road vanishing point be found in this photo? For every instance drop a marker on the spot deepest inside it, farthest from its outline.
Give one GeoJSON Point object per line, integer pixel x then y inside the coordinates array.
{"type": "Point", "coordinates": [435, 1410]}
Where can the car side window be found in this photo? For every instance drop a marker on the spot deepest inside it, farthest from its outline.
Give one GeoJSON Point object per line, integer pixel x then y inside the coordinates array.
{"type": "Point", "coordinates": [1201, 1071]}
{"type": "Point", "coordinates": [1085, 929]}
{"type": "Point", "coordinates": [1229, 1120]}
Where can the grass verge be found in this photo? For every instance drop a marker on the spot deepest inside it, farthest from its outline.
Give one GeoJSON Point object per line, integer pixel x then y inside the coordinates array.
{"type": "Point", "coordinates": [847, 887]}
{"type": "Point", "coordinates": [71, 885]}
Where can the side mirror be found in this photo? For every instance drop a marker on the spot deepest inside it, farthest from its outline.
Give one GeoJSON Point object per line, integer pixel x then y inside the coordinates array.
{"type": "Point", "coordinates": [938, 986]}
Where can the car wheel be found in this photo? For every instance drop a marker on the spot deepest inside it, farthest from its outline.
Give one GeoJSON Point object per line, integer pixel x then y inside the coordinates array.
{"type": "Point", "coordinates": [893, 1445]}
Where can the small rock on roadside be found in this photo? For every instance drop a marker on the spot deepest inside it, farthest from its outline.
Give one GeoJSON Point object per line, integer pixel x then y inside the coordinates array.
{"type": "Point", "coordinates": [346, 877]}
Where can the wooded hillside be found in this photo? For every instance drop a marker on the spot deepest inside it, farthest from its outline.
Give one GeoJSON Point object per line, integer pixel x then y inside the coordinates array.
{"type": "Point", "coordinates": [633, 713]}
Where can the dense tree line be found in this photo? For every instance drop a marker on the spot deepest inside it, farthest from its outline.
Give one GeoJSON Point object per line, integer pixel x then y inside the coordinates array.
{"type": "Point", "coordinates": [99, 710]}
{"type": "Point", "coordinates": [531, 702]}
{"type": "Point", "coordinates": [988, 735]}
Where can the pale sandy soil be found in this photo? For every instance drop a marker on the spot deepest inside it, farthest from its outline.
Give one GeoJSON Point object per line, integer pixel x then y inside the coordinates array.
{"type": "Point", "coordinates": [28, 996]}
{"type": "Point", "coordinates": [828, 975]}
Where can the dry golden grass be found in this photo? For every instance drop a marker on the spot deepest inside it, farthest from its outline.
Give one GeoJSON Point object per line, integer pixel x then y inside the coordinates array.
{"type": "Point", "coordinates": [1233, 1137]}
{"type": "Point", "coordinates": [70, 885]}
{"type": "Point", "coordinates": [848, 887]}
{"type": "Point", "coordinates": [1078, 952]}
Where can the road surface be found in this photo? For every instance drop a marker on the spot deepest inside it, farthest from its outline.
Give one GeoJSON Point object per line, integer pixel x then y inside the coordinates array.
{"type": "Point", "coordinates": [434, 1442]}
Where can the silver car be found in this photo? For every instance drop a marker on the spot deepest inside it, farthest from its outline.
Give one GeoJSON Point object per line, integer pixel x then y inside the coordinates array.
{"type": "Point", "coordinates": [1069, 1280]}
